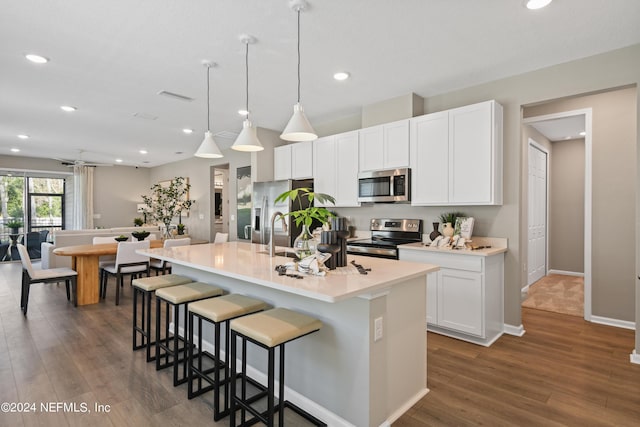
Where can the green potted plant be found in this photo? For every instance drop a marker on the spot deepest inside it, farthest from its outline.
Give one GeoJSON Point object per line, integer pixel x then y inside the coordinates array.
{"type": "Point", "coordinates": [448, 221]}
{"type": "Point", "coordinates": [180, 228]}
{"type": "Point", "coordinates": [168, 201]}
{"type": "Point", "coordinates": [305, 243]}
{"type": "Point", "coordinates": [137, 222]}
{"type": "Point", "coordinates": [14, 225]}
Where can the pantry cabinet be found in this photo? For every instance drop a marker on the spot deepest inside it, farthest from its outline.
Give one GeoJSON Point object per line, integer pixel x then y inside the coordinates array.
{"type": "Point", "coordinates": [456, 156]}
{"type": "Point", "coordinates": [335, 168]}
{"type": "Point", "coordinates": [293, 161]}
{"type": "Point", "coordinates": [465, 297]}
{"type": "Point", "coordinates": [384, 146]}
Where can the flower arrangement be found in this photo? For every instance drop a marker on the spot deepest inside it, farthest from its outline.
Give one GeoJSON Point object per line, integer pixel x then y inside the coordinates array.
{"type": "Point", "coordinates": [168, 201]}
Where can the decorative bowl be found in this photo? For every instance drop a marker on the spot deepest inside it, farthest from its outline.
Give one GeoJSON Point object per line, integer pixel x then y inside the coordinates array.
{"type": "Point", "coordinates": [121, 238]}
{"type": "Point", "coordinates": [140, 235]}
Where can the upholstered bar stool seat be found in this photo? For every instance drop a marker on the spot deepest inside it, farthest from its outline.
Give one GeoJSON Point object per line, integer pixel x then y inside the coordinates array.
{"type": "Point", "coordinates": [145, 287]}
{"type": "Point", "coordinates": [174, 297]}
{"type": "Point", "coordinates": [269, 329]}
{"type": "Point", "coordinates": [216, 311]}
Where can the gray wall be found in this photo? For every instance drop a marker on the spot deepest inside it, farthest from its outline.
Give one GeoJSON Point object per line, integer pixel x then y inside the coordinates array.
{"type": "Point", "coordinates": [614, 138]}
{"type": "Point", "coordinates": [566, 206]}
{"type": "Point", "coordinates": [117, 191]}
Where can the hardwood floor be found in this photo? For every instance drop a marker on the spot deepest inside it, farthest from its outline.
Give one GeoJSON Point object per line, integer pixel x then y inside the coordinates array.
{"type": "Point", "coordinates": [563, 371]}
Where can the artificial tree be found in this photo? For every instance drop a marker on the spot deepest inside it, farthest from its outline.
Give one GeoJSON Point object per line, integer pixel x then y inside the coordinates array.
{"type": "Point", "coordinates": [168, 201]}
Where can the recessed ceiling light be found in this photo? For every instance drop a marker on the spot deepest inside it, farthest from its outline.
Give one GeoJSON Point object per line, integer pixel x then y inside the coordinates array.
{"type": "Point", "coordinates": [341, 76]}
{"type": "Point", "coordinates": [118, 160]}
{"type": "Point", "coordinates": [36, 58]}
{"type": "Point", "coordinates": [187, 131]}
{"type": "Point", "coordinates": [68, 108]}
{"type": "Point", "coordinates": [23, 136]}
{"type": "Point", "coordinates": [537, 4]}
{"type": "Point", "coordinates": [583, 133]}
{"type": "Point", "coordinates": [143, 151]}
{"type": "Point", "coordinates": [15, 150]}
{"type": "Point", "coordinates": [243, 112]}
{"type": "Point", "coordinates": [567, 137]}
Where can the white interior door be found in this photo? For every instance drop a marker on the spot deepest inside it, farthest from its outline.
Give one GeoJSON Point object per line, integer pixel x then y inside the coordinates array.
{"type": "Point", "coordinates": [537, 236]}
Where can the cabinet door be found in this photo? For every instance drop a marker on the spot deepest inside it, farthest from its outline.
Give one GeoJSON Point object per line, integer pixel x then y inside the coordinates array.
{"type": "Point", "coordinates": [324, 158]}
{"type": "Point", "coordinates": [346, 192]}
{"type": "Point", "coordinates": [429, 140]}
{"type": "Point", "coordinates": [302, 160]}
{"type": "Point", "coordinates": [432, 297]}
{"type": "Point", "coordinates": [396, 145]}
{"type": "Point", "coordinates": [371, 148]}
{"type": "Point", "coordinates": [282, 162]}
{"type": "Point", "coordinates": [471, 154]}
{"type": "Point", "coordinates": [460, 301]}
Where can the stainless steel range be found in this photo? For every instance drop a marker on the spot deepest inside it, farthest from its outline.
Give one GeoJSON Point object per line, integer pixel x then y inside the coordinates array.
{"type": "Point", "coordinates": [386, 235]}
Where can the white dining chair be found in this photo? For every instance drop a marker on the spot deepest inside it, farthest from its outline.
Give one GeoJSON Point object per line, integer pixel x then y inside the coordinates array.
{"type": "Point", "coordinates": [31, 275]}
{"type": "Point", "coordinates": [127, 262]}
{"type": "Point", "coordinates": [165, 266]}
{"type": "Point", "coordinates": [221, 238]}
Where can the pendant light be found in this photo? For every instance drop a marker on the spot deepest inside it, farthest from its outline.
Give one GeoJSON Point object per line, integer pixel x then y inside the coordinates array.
{"type": "Point", "coordinates": [208, 149]}
{"type": "Point", "coordinates": [248, 138]}
{"type": "Point", "coordinates": [298, 128]}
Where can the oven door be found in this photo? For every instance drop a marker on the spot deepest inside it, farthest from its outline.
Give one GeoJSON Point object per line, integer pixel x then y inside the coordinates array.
{"type": "Point", "coordinates": [391, 253]}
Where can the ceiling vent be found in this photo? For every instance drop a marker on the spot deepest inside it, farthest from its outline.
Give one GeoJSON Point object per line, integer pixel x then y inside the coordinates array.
{"type": "Point", "coordinates": [175, 96]}
{"type": "Point", "coordinates": [145, 116]}
{"type": "Point", "coordinates": [226, 134]}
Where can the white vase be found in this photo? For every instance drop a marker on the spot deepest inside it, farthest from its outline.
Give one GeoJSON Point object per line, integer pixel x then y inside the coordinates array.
{"type": "Point", "coordinates": [447, 230]}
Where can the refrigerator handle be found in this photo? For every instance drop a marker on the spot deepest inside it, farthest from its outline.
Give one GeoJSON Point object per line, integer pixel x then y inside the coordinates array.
{"type": "Point", "coordinates": [263, 220]}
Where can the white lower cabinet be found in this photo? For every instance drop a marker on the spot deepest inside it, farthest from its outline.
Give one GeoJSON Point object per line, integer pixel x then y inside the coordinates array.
{"type": "Point", "coordinates": [465, 297]}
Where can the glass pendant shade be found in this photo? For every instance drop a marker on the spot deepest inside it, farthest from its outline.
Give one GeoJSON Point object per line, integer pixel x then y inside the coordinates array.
{"type": "Point", "coordinates": [298, 129]}
{"type": "Point", "coordinates": [209, 149]}
{"type": "Point", "coordinates": [248, 138]}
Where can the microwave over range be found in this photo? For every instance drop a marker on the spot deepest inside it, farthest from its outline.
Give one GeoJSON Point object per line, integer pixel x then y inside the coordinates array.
{"type": "Point", "coordinates": [388, 186]}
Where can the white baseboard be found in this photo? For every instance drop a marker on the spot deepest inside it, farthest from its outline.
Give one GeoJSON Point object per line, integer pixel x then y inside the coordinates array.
{"type": "Point", "coordinates": [625, 324]}
{"type": "Point", "coordinates": [566, 273]}
{"type": "Point", "coordinates": [634, 357]}
{"type": "Point", "coordinates": [404, 408]}
{"type": "Point", "coordinates": [517, 331]}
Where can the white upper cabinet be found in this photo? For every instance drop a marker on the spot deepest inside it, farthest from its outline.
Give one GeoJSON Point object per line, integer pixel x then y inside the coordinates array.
{"type": "Point", "coordinates": [456, 156]}
{"type": "Point", "coordinates": [293, 161]}
{"type": "Point", "coordinates": [384, 146]}
{"type": "Point", "coordinates": [336, 169]}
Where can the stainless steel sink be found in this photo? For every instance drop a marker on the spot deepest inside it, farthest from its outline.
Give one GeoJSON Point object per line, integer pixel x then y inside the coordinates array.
{"type": "Point", "coordinates": [281, 253]}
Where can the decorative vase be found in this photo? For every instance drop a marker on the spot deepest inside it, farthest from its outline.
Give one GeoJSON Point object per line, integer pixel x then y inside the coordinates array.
{"type": "Point", "coordinates": [447, 230]}
{"type": "Point", "coordinates": [435, 233]}
{"type": "Point", "coordinates": [305, 244]}
{"type": "Point", "coordinates": [167, 232]}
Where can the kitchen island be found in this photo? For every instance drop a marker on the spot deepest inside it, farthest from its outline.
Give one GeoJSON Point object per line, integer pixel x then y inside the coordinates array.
{"type": "Point", "coordinates": [348, 373]}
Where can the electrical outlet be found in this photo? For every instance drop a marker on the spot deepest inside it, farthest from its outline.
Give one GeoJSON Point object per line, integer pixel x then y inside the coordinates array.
{"type": "Point", "coordinates": [377, 329]}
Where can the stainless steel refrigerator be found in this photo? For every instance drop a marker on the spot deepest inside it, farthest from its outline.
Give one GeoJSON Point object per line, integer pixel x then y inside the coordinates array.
{"type": "Point", "coordinates": [264, 195]}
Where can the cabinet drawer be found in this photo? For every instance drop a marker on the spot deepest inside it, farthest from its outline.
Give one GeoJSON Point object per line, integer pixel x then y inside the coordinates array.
{"type": "Point", "coordinates": [444, 260]}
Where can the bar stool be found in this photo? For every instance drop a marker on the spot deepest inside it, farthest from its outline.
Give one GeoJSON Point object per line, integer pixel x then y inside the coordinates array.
{"type": "Point", "coordinates": [145, 287]}
{"type": "Point", "coordinates": [216, 311]}
{"type": "Point", "coordinates": [176, 296]}
{"type": "Point", "coordinates": [269, 329]}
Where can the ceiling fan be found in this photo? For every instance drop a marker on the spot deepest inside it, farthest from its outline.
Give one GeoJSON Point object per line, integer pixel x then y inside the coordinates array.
{"type": "Point", "coordinates": [79, 162]}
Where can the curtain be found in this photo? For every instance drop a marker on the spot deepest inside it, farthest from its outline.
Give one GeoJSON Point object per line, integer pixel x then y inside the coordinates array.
{"type": "Point", "coordinates": [82, 197]}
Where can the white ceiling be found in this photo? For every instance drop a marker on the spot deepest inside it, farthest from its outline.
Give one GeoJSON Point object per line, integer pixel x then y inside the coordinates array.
{"type": "Point", "coordinates": [562, 128]}
{"type": "Point", "coordinates": [110, 58]}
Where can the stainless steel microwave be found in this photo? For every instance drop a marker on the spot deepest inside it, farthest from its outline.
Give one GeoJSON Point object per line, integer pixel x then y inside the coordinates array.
{"type": "Point", "coordinates": [386, 186]}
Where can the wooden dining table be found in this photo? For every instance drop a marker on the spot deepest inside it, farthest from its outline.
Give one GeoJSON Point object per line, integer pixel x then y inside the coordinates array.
{"type": "Point", "coordinates": [85, 260]}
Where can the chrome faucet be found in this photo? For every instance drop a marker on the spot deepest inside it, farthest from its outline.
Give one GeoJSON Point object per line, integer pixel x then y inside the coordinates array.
{"type": "Point", "coordinates": [272, 242]}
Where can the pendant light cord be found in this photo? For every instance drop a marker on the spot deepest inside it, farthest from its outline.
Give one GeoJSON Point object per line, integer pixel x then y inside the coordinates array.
{"type": "Point", "coordinates": [246, 63]}
{"type": "Point", "coordinates": [208, 75]}
{"type": "Point", "coordinates": [298, 56]}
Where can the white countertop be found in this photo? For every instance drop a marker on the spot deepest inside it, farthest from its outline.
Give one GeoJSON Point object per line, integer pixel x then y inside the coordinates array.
{"type": "Point", "coordinates": [248, 262]}
{"type": "Point", "coordinates": [498, 246]}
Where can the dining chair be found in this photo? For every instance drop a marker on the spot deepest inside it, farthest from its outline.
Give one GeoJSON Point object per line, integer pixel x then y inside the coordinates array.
{"type": "Point", "coordinates": [151, 236]}
{"type": "Point", "coordinates": [127, 262]}
{"type": "Point", "coordinates": [221, 238]}
{"type": "Point", "coordinates": [32, 240]}
{"type": "Point", "coordinates": [165, 266]}
{"type": "Point", "coordinates": [31, 275]}
{"type": "Point", "coordinates": [104, 260]}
